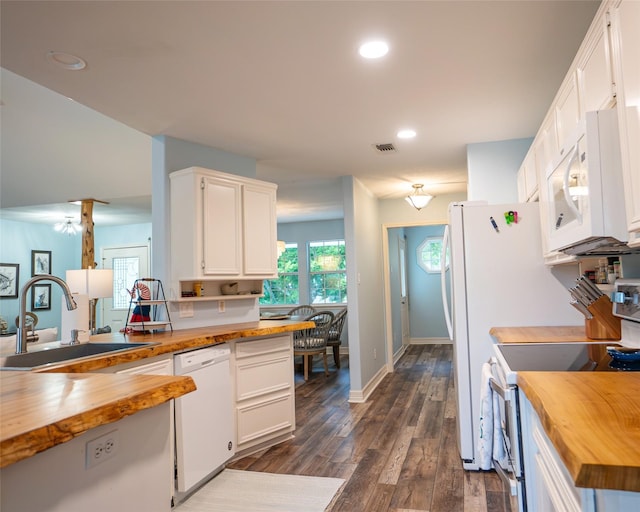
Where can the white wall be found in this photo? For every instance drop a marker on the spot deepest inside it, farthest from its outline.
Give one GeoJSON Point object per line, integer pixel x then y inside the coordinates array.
{"type": "Point", "coordinates": [493, 168]}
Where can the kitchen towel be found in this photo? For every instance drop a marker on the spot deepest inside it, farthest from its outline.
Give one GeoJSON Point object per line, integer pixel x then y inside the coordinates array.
{"type": "Point", "coordinates": [485, 441]}
{"type": "Point", "coordinates": [491, 442]}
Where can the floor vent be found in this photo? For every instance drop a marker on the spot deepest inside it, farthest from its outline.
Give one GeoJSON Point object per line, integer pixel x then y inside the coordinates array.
{"type": "Point", "coordinates": [385, 148]}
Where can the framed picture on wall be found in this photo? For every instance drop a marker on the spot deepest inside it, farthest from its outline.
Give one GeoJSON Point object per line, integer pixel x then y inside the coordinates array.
{"type": "Point", "coordinates": [40, 262]}
{"type": "Point", "coordinates": [9, 279]}
{"type": "Point", "coordinates": [41, 297]}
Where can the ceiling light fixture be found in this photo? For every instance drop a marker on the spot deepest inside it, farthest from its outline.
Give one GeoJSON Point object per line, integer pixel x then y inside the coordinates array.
{"type": "Point", "coordinates": [373, 49]}
{"type": "Point", "coordinates": [69, 227]}
{"type": "Point", "coordinates": [66, 61]}
{"type": "Point", "coordinates": [406, 134]}
{"type": "Point", "coordinates": [418, 199]}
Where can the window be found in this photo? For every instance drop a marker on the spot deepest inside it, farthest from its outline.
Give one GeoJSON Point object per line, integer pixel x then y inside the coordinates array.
{"type": "Point", "coordinates": [429, 254]}
{"type": "Point", "coordinates": [284, 289]}
{"type": "Point", "coordinates": [327, 272]}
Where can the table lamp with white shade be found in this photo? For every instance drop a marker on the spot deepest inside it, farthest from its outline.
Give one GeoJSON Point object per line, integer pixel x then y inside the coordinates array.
{"type": "Point", "coordinates": [95, 284]}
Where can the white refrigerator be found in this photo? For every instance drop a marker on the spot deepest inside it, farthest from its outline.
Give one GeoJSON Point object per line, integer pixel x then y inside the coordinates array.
{"type": "Point", "coordinates": [496, 278]}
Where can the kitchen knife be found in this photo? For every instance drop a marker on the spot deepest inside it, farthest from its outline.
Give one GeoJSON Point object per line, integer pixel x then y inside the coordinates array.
{"type": "Point", "coordinates": [588, 284]}
{"type": "Point", "coordinates": [580, 307]}
{"type": "Point", "coordinates": [581, 296]}
{"type": "Point", "coordinates": [587, 291]}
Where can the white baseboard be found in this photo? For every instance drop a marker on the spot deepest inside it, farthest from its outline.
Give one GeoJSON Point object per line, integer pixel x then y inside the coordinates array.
{"type": "Point", "coordinates": [429, 341]}
{"type": "Point", "coordinates": [399, 354]}
{"type": "Point", "coordinates": [361, 396]}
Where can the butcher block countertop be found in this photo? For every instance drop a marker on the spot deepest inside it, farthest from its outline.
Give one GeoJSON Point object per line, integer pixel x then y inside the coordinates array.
{"type": "Point", "coordinates": [593, 420]}
{"type": "Point", "coordinates": [557, 334]}
{"type": "Point", "coordinates": [40, 411]}
{"type": "Point", "coordinates": [54, 403]}
{"type": "Point", "coordinates": [169, 342]}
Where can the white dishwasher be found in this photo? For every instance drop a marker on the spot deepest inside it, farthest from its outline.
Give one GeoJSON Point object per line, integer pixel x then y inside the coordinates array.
{"type": "Point", "coordinates": [204, 417]}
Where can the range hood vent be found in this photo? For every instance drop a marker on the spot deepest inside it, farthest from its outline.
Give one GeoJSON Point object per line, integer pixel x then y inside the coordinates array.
{"type": "Point", "coordinates": [387, 147]}
{"type": "Point", "coordinates": [599, 246]}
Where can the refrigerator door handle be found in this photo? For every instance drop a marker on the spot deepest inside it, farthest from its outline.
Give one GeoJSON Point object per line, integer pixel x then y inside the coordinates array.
{"type": "Point", "coordinates": [443, 282]}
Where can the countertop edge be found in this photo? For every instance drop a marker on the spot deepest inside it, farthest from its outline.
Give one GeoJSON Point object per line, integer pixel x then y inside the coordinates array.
{"type": "Point", "coordinates": [146, 393]}
{"type": "Point", "coordinates": [585, 474]}
{"type": "Point", "coordinates": [171, 342]}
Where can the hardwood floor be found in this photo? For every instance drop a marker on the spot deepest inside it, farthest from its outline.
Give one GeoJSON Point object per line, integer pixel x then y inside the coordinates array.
{"type": "Point", "coordinates": [397, 452]}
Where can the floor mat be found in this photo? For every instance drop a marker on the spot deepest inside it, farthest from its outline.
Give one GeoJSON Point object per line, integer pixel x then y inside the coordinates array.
{"type": "Point", "coordinates": [251, 491]}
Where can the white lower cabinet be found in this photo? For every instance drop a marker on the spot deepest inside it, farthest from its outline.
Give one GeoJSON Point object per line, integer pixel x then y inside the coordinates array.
{"type": "Point", "coordinates": [263, 390]}
{"type": "Point", "coordinates": [548, 484]}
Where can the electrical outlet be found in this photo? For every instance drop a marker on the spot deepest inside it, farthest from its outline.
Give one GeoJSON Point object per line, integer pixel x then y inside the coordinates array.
{"type": "Point", "coordinates": [102, 448]}
{"type": "Point", "coordinates": [186, 309]}
{"type": "Point", "coordinates": [220, 306]}
{"type": "Point", "coordinates": [375, 353]}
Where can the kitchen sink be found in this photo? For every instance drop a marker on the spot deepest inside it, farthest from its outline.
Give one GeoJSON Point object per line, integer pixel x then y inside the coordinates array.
{"type": "Point", "coordinates": [32, 360]}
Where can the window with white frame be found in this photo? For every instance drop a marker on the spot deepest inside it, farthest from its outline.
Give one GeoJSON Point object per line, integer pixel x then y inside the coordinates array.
{"type": "Point", "coordinates": [284, 289]}
{"type": "Point", "coordinates": [429, 255]}
{"type": "Point", "coordinates": [327, 272]}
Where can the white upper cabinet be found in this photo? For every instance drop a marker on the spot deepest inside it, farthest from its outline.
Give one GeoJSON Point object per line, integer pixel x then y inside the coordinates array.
{"type": "Point", "coordinates": [625, 20]}
{"type": "Point", "coordinates": [567, 111]}
{"type": "Point", "coordinates": [527, 178]}
{"type": "Point", "coordinates": [605, 75]}
{"type": "Point", "coordinates": [222, 226]}
{"type": "Point", "coordinates": [595, 69]}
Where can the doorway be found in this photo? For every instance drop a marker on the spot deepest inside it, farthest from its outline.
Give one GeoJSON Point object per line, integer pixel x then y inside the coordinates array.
{"type": "Point", "coordinates": [128, 263]}
{"type": "Point", "coordinates": [413, 300]}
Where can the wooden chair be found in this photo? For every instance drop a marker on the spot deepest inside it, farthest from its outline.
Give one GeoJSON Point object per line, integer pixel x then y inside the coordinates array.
{"type": "Point", "coordinates": [335, 333]}
{"type": "Point", "coordinates": [305, 310]}
{"type": "Point", "coordinates": [312, 341]}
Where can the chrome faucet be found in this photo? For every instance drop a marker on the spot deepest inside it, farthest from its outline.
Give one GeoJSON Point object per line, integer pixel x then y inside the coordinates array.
{"type": "Point", "coordinates": [21, 338]}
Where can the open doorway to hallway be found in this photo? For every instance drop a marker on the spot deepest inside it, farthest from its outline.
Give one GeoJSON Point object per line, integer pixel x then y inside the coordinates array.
{"type": "Point", "coordinates": [413, 299]}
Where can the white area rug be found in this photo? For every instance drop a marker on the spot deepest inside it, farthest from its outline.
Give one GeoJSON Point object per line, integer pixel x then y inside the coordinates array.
{"type": "Point", "coordinates": [250, 491]}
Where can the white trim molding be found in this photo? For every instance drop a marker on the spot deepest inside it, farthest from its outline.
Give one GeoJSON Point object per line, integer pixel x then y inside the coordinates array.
{"type": "Point", "coordinates": [361, 396]}
{"type": "Point", "coordinates": [430, 341]}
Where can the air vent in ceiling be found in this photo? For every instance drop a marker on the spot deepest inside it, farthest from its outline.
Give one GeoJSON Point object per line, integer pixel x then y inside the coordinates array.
{"type": "Point", "coordinates": [385, 148]}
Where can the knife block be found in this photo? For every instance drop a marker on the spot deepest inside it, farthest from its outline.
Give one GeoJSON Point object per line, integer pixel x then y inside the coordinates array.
{"type": "Point", "coordinates": [603, 325]}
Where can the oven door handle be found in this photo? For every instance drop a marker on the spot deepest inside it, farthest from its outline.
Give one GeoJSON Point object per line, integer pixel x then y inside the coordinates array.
{"type": "Point", "coordinates": [505, 393]}
{"type": "Point", "coordinates": [511, 483]}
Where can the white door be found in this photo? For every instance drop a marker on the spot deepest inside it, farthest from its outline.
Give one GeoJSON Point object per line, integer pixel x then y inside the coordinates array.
{"type": "Point", "coordinates": [128, 264]}
{"type": "Point", "coordinates": [404, 292]}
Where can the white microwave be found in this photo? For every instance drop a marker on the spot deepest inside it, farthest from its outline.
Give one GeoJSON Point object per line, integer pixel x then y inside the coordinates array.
{"type": "Point", "coordinates": [585, 191]}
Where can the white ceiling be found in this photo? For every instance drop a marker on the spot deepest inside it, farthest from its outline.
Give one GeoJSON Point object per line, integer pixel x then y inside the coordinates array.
{"type": "Point", "coordinates": [278, 81]}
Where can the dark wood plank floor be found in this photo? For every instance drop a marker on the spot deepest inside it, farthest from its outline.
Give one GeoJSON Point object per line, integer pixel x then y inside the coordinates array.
{"type": "Point", "coordinates": [397, 452]}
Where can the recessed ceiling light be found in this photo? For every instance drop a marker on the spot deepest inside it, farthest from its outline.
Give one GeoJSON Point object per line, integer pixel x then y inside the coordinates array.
{"type": "Point", "coordinates": [406, 134]}
{"type": "Point", "coordinates": [66, 61]}
{"type": "Point", "coordinates": [374, 49]}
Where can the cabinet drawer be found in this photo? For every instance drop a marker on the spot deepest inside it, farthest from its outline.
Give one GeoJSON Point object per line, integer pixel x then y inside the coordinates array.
{"type": "Point", "coordinates": [258, 376]}
{"type": "Point", "coordinates": [261, 347]}
{"type": "Point", "coordinates": [260, 419]}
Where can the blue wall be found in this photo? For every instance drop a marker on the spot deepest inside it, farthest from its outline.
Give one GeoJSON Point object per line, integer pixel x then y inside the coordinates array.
{"type": "Point", "coordinates": [426, 314]}
{"type": "Point", "coordinates": [18, 239]}
{"type": "Point", "coordinates": [492, 168]}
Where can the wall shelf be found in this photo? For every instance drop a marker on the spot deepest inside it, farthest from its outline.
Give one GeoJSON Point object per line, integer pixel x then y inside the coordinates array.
{"type": "Point", "coordinates": [209, 298]}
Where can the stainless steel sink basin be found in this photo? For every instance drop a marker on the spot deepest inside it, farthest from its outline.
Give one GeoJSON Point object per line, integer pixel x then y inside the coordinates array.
{"type": "Point", "coordinates": [32, 360]}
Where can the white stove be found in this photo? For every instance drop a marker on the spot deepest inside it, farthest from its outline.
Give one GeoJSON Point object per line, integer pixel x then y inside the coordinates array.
{"type": "Point", "coordinates": [626, 305]}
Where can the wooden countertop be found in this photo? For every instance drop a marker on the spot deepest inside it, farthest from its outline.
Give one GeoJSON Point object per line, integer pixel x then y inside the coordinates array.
{"type": "Point", "coordinates": [40, 411]}
{"type": "Point", "coordinates": [168, 342]}
{"type": "Point", "coordinates": [593, 420]}
{"type": "Point", "coordinates": [52, 404]}
{"type": "Point", "coordinates": [557, 334]}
